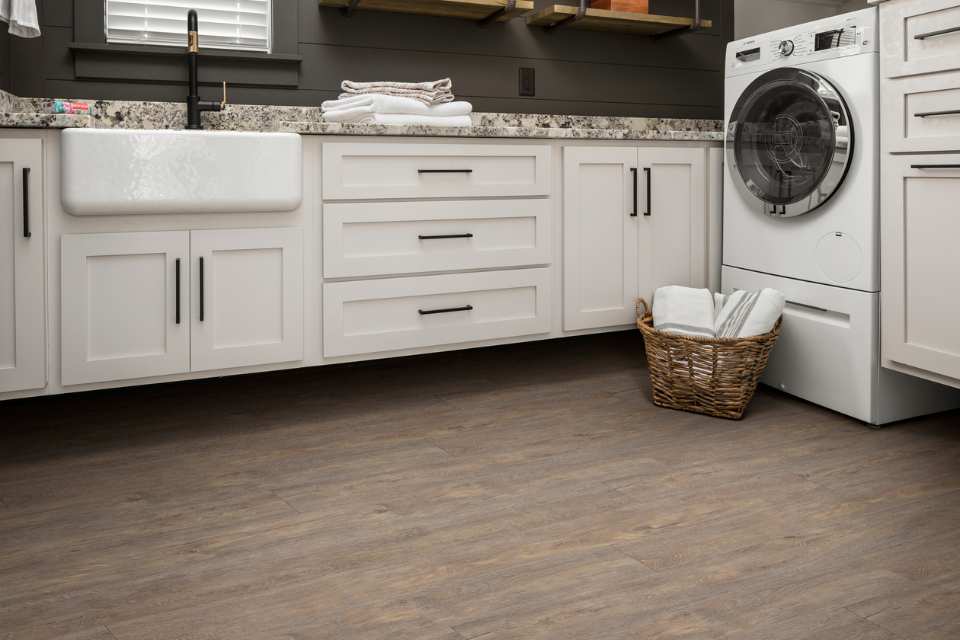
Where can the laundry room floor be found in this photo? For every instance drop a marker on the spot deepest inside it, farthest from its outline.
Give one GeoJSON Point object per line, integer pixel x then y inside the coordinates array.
{"type": "Point", "coordinates": [527, 491]}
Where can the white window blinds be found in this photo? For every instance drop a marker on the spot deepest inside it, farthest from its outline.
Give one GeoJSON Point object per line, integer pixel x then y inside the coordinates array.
{"type": "Point", "coordinates": [224, 24]}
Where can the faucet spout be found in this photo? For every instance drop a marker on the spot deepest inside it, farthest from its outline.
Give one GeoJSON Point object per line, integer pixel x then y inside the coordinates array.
{"type": "Point", "coordinates": [196, 106]}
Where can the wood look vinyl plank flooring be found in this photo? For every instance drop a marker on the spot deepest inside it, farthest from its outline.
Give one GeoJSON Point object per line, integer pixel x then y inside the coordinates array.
{"type": "Point", "coordinates": [522, 492]}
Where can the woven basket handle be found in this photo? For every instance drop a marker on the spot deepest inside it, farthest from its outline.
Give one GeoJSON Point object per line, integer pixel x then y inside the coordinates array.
{"type": "Point", "coordinates": [642, 308]}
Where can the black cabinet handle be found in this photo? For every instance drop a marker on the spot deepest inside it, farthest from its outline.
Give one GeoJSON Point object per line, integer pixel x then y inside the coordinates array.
{"type": "Point", "coordinates": [26, 202]}
{"type": "Point", "coordinates": [935, 166]}
{"type": "Point", "coordinates": [938, 32]}
{"type": "Point", "coordinates": [430, 312]}
{"type": "Point", "coordinates": [446, 236]}
{"type": "Point", "coordinates": [444, 170]}
{"type": "Point", "coordinates": [649, 173]}
{"type": "Point", "coordinates": [947, 112]}
{"type": "Point", "coordinates": [176, 290]}
{"type": "Point", "coordinates": [201, 289]}
{"type": "Point", "coordinates": [636, 187]}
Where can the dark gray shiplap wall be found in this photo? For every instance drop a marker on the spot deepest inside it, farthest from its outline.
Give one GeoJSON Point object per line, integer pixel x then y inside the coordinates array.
{"type": "Point", "coordinates": [577, 72]}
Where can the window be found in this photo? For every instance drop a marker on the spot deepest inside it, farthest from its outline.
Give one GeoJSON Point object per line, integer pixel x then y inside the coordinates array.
{"type": "Point", "coordinates": [224, 24]}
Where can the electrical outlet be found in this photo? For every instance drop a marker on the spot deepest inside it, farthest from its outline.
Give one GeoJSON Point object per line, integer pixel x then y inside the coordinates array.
{"type": "Point", "coordinates": [528, 81]}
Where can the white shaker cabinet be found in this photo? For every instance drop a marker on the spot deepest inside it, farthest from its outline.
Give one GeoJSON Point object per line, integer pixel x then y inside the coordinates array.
{"type": "Point", "coordinates": [21, 265]}
{"type": "Point", "coordinates": [673, 224]}
{"type": "Point", "coordinates": [124, 306]}
{"type": "Point", "coordinates": [600, 236]}
{"type": "Point", "coordinates": [136, 305]}
{"type": "Point", "coordinates": [248, 297]}
{"type": "Point", "coordinates": [634, 219]}
{"type": "Point", "coordinates": [920, 300]}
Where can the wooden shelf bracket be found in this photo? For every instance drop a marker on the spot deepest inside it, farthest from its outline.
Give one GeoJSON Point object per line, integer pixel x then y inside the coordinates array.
{"type": "Point", "coordinates": [499, 13]}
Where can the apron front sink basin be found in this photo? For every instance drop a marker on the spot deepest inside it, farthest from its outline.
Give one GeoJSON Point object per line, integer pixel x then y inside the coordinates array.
{"type": "Point", "coordinates": [135, 171]}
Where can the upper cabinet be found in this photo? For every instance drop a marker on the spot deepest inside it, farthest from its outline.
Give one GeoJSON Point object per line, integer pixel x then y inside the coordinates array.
{"type": "Point", "coordinates": [634, 220]}
{"type": "Point", "coordinates": [22, 351]}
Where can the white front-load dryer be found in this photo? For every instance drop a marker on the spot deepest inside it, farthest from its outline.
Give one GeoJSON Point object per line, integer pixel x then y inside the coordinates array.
{"type": "Point", "coordinates": [802, 154]}
{"type": "Point", "coordinates": [801, 212]}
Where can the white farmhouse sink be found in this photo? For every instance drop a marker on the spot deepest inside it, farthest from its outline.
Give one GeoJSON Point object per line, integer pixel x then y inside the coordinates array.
{"type": "Point", "coordinates": [135, 171]}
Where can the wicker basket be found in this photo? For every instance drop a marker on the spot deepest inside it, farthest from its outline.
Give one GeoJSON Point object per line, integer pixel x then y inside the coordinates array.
{"type": "Point", "coordinates": [713, 376]}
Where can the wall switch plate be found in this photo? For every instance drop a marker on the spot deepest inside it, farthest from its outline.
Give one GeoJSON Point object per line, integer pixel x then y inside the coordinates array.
{"type": "Point", "coordinates": [528, 81]}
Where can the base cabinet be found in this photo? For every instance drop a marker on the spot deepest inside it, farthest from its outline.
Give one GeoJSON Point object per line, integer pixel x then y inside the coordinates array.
{"type": "Point", "coordinates": [22, 349]}
{"type": "Point", "coordinates": [248, 289]}
{"type": "Point", "coordinates": [634, 220]}
{"type": "Point", "coordinates": [123, 306]}
{"type": "Point", "coordinates": [920, 300]}
{"type": "Point", "coordinates": [136, 305]}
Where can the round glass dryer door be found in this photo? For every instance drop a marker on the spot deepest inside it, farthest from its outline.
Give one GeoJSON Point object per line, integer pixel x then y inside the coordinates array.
{"type": "Point", "coordinates": [790, 140]}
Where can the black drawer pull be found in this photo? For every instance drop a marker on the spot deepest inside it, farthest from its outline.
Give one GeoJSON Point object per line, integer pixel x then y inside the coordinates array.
{"type": "Point", "coordinates": [636, 187]}
{"type": "Point", "coordinates": [26, 202]}
{"type": "Point", "coordinates": [948, 112]}
{"type": "Point", "coordinates": [444, 170]}
{"type": "Point", "coordinates": [648, 171]}
{"type": "Point", "coordinates": [430, 312]}
{"type": "Point", "coordinates": [201, 289]}
{"type": "Point", "coordinates": [176, 291]}
{"type": "Point", "coordinates": [935, 166]}
{"type": "Point", "coordinates": [446, 236]}
{"type": "Point", "coordinates": [932, 34]}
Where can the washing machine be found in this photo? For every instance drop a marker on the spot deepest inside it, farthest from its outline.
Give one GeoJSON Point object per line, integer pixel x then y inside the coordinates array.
{"type": "Point", "coordinates": [801, 211]}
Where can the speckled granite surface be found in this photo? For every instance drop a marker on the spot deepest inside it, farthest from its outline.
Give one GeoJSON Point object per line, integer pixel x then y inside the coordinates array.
{"type": "Point", "coordinates": [38, 113]}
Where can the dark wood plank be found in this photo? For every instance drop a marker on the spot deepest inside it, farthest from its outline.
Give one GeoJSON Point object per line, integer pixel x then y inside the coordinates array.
{"type": "Point", "coordinates": [544, 499]}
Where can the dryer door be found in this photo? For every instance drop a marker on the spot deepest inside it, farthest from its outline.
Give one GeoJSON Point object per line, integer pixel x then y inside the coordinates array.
{"type": "Point", "coordinates": [790, 141]}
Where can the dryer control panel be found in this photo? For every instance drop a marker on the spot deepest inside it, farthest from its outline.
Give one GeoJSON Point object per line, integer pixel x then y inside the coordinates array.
{"type": "Point", "coordinates": [835, 37]}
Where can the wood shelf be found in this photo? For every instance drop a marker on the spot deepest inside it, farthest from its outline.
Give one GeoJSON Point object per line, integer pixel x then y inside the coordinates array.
{"type": "Point", "coordinates": [604, 20]}
{"type": "Point", "coordinates": [465, 9]}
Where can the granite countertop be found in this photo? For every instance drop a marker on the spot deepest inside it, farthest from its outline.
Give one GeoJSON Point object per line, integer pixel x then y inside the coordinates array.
{"type": "Point", "coordinates": [38, 113]}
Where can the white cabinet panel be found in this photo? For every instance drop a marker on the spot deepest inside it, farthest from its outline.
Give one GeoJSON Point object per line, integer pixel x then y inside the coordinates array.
{"type": "Point", "coordinates": [922, 113]}
{"type": "Point", "coordinates": [920, 300]}
{"type": "Point", "coordinates": [394, 238]}
{"type": "Point", "coordinates": [672, 226]}
{"type": "Point", "coordinates": [21, 265]}
{"type": "Point", "coordinates": [600, 219]}
{"type": "Point", "coordinates": [361, 171]}
{"type": "Point", "coordinates": [403, 313]}
{"type": "Point", "coordinates": [121, 316]}
{"type": "Point", "coordinates": [919, 36]}
{"type": "Point", "coordinates": [248, 297]}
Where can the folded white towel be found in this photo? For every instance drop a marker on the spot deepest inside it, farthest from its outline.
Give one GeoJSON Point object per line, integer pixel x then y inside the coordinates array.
{"type": "Point", "coordinates": [380, 103]}
{"type": "Point", "coordinates": [433, 92]}
{"type": "Point", "coordinates": [749, 313]}
{"type": "Point", "coordinates": [684, 311]}
{"type": "Point", "coordinates": [22, 16]}
{"type": "Point", "coordinates": [396, 119]}
{"type": "Point", "coordinates": [718, 300]}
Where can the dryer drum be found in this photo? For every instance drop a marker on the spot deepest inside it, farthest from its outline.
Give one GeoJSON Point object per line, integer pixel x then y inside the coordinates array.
{"type": "Point", "coordinates": [789, 140]}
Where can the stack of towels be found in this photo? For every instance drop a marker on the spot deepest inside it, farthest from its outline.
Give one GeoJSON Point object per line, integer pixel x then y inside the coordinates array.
{"type": "Point", "coordinates": [697, 312]}
{"type": "Point", "coordinates": [398, 103]}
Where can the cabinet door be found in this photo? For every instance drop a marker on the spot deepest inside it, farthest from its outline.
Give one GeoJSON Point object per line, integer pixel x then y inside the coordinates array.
{"type": "Point", "coordinates": [21, 266]}
{"type": "Point", "coordinates": [600, 219]}
{"type": "Point", "coordinates": [919, 36]}
{"type": "Point", "coordinates": [121, 315]}
{"type": "Point", "coordinates": [673, 219]}
{"type": "Point", "coordinates": [920, 298]}
{"type": "Point", "coordinates": [247, 297]}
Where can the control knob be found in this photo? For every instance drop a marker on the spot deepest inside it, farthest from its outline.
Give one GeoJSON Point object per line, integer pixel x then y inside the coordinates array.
{"type": "Point", "coordinates": [786, 47]}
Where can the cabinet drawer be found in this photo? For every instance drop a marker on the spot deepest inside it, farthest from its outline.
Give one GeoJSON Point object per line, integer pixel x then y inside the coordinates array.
{"type": "Point", "coordinates": [922, 113]}
{"type": "Point", "coordinates": [922, 36]}
{"type": "Point", "coordinates": [406, 313]}
{"type": "Point", "coordinates": [361, 171]}
{"type": "Point", "coordinates": [394, 238]}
